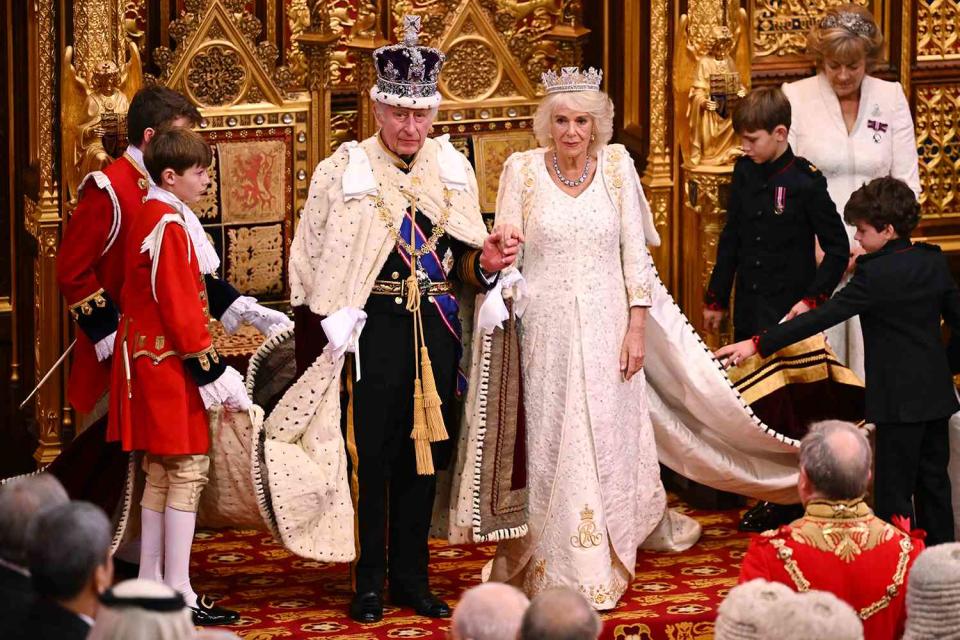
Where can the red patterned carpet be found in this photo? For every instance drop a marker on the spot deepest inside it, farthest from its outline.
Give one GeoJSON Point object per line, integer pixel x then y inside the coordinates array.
{"type": "Point", "coordinates": [674, 597]}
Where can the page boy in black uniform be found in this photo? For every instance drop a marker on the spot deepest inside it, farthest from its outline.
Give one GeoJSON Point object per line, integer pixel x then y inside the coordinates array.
{"type": "Point", "coordinates": [779, 208]}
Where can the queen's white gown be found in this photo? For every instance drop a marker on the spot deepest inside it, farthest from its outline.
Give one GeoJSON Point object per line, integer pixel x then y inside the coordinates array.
{"type": "Point", "coordinates": [595, 492]}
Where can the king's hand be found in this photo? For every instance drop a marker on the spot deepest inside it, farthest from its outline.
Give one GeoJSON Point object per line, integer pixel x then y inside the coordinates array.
{"type": "Point", "coordinates": [500, 249]}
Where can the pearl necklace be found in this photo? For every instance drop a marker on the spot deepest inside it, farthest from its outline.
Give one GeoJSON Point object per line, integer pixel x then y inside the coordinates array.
{"type": "Point", "coordinates": [571, 183]}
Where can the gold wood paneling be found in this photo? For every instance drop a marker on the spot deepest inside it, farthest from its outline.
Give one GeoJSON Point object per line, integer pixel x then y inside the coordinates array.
{"type": "Point", "coordinates": [780, 28]}
{"type": "Point", "coordinates": [938, 37]}
{"type": "Point", "coordinates": [939, 144]}
{"type": "Point", "coordinates": [658, 178]}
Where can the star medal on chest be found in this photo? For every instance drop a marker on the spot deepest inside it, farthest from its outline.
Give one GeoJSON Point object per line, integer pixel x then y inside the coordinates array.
{"type": "Point", "coordinates": [878, 129]}
{"type": "Point", "coordinates": [447, 261]}
{"type": "Point", "coordinates": [779, 200]}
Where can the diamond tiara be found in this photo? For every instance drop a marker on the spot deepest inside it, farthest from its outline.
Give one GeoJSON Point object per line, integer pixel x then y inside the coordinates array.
{"type": "Point", "coordinates": [852, 22]}
{"type": "Point", "coordinates": [572, 79]}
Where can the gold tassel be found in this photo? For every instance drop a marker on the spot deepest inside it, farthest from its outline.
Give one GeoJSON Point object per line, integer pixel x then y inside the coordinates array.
{"type": "Point", "coordinates": [421, 440]}
{"type": "Point", "coordinates": [431, 399]}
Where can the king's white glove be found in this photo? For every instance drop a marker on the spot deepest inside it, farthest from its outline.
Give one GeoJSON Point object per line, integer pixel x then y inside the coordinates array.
{"type": "Point", "coordinates": [227, 390]}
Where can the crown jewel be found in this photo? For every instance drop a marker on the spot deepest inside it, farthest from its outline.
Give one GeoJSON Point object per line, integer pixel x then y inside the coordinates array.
{"type": "Point", "coordinates": [852, 22]}
{"type": "Point", "coordinates": [407, 72]}
{"type": "Point", "coordinates": [572, 79]}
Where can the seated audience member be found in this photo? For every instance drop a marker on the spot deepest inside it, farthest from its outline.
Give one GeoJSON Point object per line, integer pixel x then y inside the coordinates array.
{"type": "Point", "coordinates": [20, 500]}
{"type": "Point", "coordinates": [758, 610]}
{"type": "Point", "coordinates": [491, 611]}
{"type": "Point", "coordinates": [68, 553]}
{"type": "Point", "coordinates": [560, 614]}
{"type": "Point", "coordinates": [933, 594]}
{"type": "Point", "coordinates": [143, 610]}
{"type": "Point", "coordinates": [839, 545]}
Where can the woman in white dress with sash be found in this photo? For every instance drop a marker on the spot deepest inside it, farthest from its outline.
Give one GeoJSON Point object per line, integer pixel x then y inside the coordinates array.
{"type": "Point", "coordinates": [595, 493]}
{"type": "Point", "coordinates": [853, 127]}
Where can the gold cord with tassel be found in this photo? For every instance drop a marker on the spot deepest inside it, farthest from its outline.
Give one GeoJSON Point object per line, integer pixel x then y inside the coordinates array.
{"type": "Point", "coordinates": [427, 420]}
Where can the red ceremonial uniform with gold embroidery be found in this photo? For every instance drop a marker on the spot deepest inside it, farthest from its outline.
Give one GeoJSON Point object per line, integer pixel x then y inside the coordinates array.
{"type": "Point", "coordinates": [841, 547]}
{"type": "Point", "coordinates": [164, 350]}
{"type": "Point", "coordinates": [90, 270]}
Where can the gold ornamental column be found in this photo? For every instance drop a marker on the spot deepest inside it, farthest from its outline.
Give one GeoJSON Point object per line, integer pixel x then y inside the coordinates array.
{"type": "Point", "coordinates": [364, 40]}
{"type": "Point", "coordinates": [711, 69]}
{"type": "Point", "coordinates": [317, 42]}
{"type": "Point", "coordinates": [42, 220]}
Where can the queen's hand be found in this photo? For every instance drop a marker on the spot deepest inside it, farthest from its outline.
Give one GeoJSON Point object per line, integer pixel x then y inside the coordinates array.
{"type": "Point", "coordinates": [631, 353]}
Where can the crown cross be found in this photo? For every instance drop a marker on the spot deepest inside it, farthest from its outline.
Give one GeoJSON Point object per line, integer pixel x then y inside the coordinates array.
{"type": "Point", "coordinates": [411, 30]}
{"type": "Point", "coordinates": [572, 79]}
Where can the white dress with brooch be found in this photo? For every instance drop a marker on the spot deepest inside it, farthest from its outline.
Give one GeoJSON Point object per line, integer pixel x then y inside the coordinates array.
{"type": "Point", "coordinates": [882, 143]}
{"type": "Point", "coordinates": [593, 476]}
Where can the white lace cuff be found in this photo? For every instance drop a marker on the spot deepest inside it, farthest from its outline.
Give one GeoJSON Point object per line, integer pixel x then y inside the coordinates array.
{"type": "Point", "coordinates": [104, 347]}
{"type": "Point", "coordinates": [227, 390]}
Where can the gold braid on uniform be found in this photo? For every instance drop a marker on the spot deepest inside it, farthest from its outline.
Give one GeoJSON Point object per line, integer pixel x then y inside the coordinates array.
{"type": "Point", "coordinates": [427, 417]}
{"type": "Point", "coordinates": [785, 554]}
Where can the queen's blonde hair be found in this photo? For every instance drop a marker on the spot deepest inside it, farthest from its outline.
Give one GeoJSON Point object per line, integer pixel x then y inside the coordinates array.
{"type": "Point", "coordinates": [840, 43]}
{"type": "Point", "coordinates": [595, 103]}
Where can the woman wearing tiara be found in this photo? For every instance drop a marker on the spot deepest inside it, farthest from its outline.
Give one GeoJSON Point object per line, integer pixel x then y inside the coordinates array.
{"type": "Point", "coordinates": [595, 493]}
{"type": "Point", "coordinates": [852, 126]}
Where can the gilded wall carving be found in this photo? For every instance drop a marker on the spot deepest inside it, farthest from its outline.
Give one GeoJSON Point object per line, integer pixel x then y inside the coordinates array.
{"type": "Point", "coordinates": [939, 146]}
{"type": "Point", "coordinates": [781, 26]}
{"type": "Point", "coordinates": [937, 30]}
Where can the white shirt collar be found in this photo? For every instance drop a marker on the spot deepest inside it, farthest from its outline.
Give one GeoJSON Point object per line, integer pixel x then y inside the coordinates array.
{"type": "Point", "coordinates": [85, 618]}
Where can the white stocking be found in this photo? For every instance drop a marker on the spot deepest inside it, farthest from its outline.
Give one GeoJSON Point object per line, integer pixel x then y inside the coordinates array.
{"type": "Point", "coordinates": [151, 545]}
{"type": "Point", "coordinates": [178, 539]}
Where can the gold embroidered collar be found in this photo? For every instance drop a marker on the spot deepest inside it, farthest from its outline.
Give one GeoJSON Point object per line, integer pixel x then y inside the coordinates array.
{"type": "Point", "coordinates": [838, 509]}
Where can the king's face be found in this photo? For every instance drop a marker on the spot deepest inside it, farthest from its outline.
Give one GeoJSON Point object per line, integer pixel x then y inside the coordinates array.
{"type": "Point", "coordinates": [404, 130]}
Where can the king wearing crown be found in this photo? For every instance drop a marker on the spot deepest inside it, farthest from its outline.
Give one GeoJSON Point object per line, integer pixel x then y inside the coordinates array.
{"type": "Point", "coordinates": [390, 232]}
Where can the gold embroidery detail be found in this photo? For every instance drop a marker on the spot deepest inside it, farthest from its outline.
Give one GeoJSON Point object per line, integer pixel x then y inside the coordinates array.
{"type": "Point", "coordinates": [640, 291]}
{"type": "Point", "coordinates": [158, 342]}
{"type": "Point", "coordinates": [141, 341]}
{"type": "Point", "coordinates": [785, 554]}
{"type": "Point", "coordinates": [156, 357]}
{"type": "Point", "coordinates": [587, 534]}
{"type": "Point", "coordinates": [604, 593]}
{"type": "Point", "coordinates": [843, 528]}
{"type": "Point", "coordinates": [526, 172]}
{"type": "Point", "coordinates": [86, 305]}
{"type": "Point", "coordinates": [204, 362]}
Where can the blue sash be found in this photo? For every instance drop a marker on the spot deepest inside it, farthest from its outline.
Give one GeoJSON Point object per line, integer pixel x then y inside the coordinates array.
{"type": "Point", "coordinates": [446, 304]}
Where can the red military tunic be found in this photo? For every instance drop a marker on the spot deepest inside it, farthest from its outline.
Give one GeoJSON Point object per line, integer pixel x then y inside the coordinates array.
{"type": "Point", "coordinates": [841, 547]}
{"type": "Point", "coordinates": [90, 269]}
{"type": "Point", "coordinates": [164, 351]}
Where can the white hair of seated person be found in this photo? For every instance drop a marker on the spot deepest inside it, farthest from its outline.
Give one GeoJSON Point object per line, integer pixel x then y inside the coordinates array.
{"type": "Point", "coordinates": [758, 610]}
{"type": "Point", "coordinates": [933, 594]}
{"type": "Point", "coordinates": [131, 622]}
{"type": "Point", "coordinates": [490, 611]}
{"type": "Point", "coordinates": [20, 499]}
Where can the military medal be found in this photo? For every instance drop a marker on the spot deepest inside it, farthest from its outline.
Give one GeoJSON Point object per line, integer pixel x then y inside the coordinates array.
{"type": "Point", "coordinates": [878, 129]}
{"type": "Point", "coordinates": [779, 200]}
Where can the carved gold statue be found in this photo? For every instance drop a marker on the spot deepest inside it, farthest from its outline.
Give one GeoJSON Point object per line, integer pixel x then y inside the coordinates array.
{"type": "Point", "coordinates": [94, 114]}
{"type": "Point", "coordinates": [708, 82]}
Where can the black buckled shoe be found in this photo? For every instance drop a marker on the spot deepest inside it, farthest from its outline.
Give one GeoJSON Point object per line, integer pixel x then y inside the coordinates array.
{"type": "Point", "coordinates": [366, 607]}
{"type": "Point", "coordinates": [424, 603]}
{"type": "Point", "coordinates": [769, 515]}
{"type": "Point", "coordinates": [208, 613]}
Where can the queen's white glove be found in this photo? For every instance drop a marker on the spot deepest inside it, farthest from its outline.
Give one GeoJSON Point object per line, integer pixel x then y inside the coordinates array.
{"type": "Point", "coordinates": [227, 390]}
